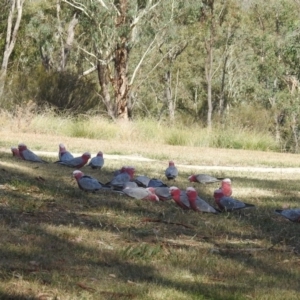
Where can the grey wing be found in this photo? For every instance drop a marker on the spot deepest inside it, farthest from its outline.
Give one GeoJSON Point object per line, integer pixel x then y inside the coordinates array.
{"type": "Point", "coordinates": [204, 178]}
{"type": "Point", "coordinates": [163, 193]}
{"type": "Point", "coordinates": [137, 193]}
{"type": "Point", "coordinates": [119, 180]}
{"type": "Point", "coordinates": [184, 199]}
{"type": "Point", "coordinates": [71, 163]}
{"type": "Point", "coordinates": [142, 180]}
{"type": "Point", "coordinates": [171, 172]}
{"type": "Point", "coordinates": [231, 204]}
{"type": "Point", "coordinates": [204, 206]}
{"type": "Point", "coordinates": [97, 162]}
{"type": "Point", "coordinates": [291, 214]}
{"type": "Point", "coordinates": [29, 155]}
{"type": "Point", "coordinates": [89, 184]}
{"type": "Point", "coordinates": [66, 156]}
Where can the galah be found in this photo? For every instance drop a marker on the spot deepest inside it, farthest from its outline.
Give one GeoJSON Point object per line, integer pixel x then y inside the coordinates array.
{"type": "Point", "coordinates": [180, 197]}
{"type": "Point", "coordinates": [27, 154]}
{"type": "Point", "coordinates": [97, 162]}
{"type": "Point", "coordinates": [156, 183]}
{"type": "Point", "coordinates": [140, 193]}
{"type": "Point", "coordinates": [226, 203]}
{"type": "Point", "coordinates": [76, 162]}
{"type": "Point", "coordinates": [127, 174]}
{"type": "Point", "coordinates": [162, 192]}
{"type": "Point", "coordinates": [198, 204]}
{"type": "Point", "coordinates": [171, 171]}
{"type": "Point", "coordinates": [63, 154]}
{"type": "Point", "coordinates": [292, 214]}
{"type": "Point", "coordinates": [203, 178]}
{"type": "Point", "coordinates": [226, 187]}
{"type": "Point", "coordinates": [130, 184]}
{"type": "Point", "coordinates": [87, 183]}
{"type": "Point", "coordinates": [15, 152]}
{"type": "Point", "coordinates": [142, 180]}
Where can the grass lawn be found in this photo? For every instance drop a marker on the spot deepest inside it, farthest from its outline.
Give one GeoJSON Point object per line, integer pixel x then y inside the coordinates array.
{"type": "Point", "coordinates": [58, 242]}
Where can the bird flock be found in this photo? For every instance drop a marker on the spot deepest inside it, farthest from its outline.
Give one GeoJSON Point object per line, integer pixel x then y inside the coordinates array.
{"type": "Point", "coordinates": [142, 187]}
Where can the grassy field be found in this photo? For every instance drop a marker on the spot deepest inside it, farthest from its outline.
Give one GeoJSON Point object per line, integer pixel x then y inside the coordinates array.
{"type": "Point", "coordinates": [58, 242]}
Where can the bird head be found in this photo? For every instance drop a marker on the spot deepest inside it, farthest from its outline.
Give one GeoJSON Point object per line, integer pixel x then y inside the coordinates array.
{"type": "Point", "coordinates": [100, 153]}
{"type": "Point", "coordinates": [86, 155]}
{"type": "Point", "coordinates": [174, 191]}
{"type": "Point", "coordinates": [22, 147]}
{"type": "Point", "coordinates": [218, 194]}
{"type": "Point", "coordinates": [15, 151]}
{"type": "Point", "coordinates": [62, 148]}
{"type": "Point", "coordinates": [191, 193]}
{"type": "Point", "coordinates": [192, 178]}
{"type": "Point", "coordinates": [171, 163]}
{"type": "Point", "coordinates": [77, 174]}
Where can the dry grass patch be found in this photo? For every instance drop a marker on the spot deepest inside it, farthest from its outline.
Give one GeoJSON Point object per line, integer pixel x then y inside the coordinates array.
{"type": "Point", "coordinates": [58, 242]}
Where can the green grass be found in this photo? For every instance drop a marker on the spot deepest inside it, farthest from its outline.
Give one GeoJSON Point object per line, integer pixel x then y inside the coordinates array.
{"type": "Point", "coordinates": [58, 242]}
{"type": "Point", "coordinates": [146, 131]}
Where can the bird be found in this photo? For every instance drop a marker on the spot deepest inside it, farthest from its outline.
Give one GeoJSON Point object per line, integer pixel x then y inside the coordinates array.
{"type": "Point", "coordinates": [162, 192]}
{"type": "Point", "coordinates": [28, 155]}
{"type": "Point", "coordinates": [63, 154]}
{"type": "Point", "coordinates": [156, 183]}
{"type": "Point", "coordinates": [97, 162]}
{"type": "Point", "coordinates": [198, 204]}
{"type": "Point", "coordinates": [292, 214]}
{"type": "Point", "coordinates": [76, 162]}
{"type": "Point", "coordinates": [142, 180]}
{"type": "Point", "coordinates": [229, 204]}
{"type": "Point", "coordinates": [86, 183]}
{"type": "Point", "coordinates": [180, 197]}
{"type": "Point", "coordinates": [117, 183]}
{"type": "Point", "coordinates": [130, 184]}
{"type": "Point", "coordinates": [140, 193]}
{"type": "Point", "coordinates": [203, 178]}
{"type": "Point", "coordinates": [171, 171]}
{"type": "Point", "coordinates": [226, 187]}
{"type": "Point", "coordinates": [15, 152]}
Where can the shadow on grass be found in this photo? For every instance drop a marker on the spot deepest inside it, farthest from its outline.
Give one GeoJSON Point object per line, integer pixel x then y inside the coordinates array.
{"type": "Point", "coordinates": [38, 255]}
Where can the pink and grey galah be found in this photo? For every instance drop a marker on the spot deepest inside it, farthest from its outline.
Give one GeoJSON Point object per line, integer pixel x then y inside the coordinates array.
{"type": "Point", "coordinates": [292, 214]}
{"type": "Point", "coordinates": [127, 174]}
{"type": "Point", "coordinates": [162, 192]}
{"type": "Point", "coordinates": [86, 183]}
{"type": "Point", "coordinates": [203, 178]}
{"type": "Point", "coordinates": [198, 204]}
{"type": "Point", "coordinates": [76, 162]}
{"type": "Point", "coordinates": [180, 197]}
{"type": "Point", "coordinates": [15, 152]}
{"type": "Point", "coordinates": [171, 171]}
{"type": "Point", "coordinates": [63, 154]}
{"type": "Point", "coordinates": [229, 204]}
{"type": "Point", "coordinates": [226, 187]}
{"type": "Point", "coordinates": [140, 193]}
{"type": "Point", "coordinates": [27, 154]}
{"type": "Point", "coordinates": [97, 162]}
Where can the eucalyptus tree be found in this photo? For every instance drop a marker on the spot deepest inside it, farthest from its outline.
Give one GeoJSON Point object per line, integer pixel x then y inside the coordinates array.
{"type": "Point", "coordinates": [218, 22]}
{"type": "Point", "coordinates": [275, 40]}
{"type": "Point", "coordinates": [109, 30]}
{"type": "Point", "coordinates": [15, 8]}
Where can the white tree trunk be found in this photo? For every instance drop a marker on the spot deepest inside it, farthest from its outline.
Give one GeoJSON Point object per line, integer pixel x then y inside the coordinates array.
{"type": "Point", "coordinates": [11, 37]}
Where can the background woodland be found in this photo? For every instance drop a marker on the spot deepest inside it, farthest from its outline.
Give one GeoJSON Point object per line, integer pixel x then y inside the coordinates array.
{"type": "Point", "coordinates": [226, 65]}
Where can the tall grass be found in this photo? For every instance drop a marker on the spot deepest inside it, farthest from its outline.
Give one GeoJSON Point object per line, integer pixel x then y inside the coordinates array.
{"type": "Point", "coordinates": [142, 130]}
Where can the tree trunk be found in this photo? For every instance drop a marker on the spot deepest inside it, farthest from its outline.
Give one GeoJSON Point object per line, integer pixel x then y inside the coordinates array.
{"type": "Point", "coordinates": [168, 92]}
{"type": "Point", "coordinates": [121, 86]}
{"type": "Point", "coordinates": [103, 77]}
{"type": "Point", "coordinates": [11, 37]}
{"type": "Point", "coordinates": [208, 73]}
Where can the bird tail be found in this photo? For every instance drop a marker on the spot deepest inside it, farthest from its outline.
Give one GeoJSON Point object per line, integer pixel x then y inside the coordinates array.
{"type": "Point", "coordinates": [278, 211]}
